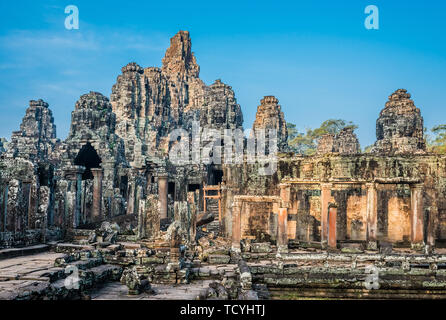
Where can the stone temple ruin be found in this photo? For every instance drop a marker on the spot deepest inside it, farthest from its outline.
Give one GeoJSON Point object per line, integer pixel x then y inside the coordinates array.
{"type": "Point", "coordinates": [109, 202]}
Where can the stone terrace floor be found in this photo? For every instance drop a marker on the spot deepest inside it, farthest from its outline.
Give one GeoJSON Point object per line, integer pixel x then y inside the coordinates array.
{"type": "Point", "coordinates": [19, 272]}
{"type": "Point", "coordinates": [118, 291]}
{"type": "Point", "coordinates": [25, 271]}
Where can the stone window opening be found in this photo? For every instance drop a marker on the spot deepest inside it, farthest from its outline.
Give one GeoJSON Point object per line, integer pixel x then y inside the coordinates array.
{"type": "Point", "coordinates": [88, 158]}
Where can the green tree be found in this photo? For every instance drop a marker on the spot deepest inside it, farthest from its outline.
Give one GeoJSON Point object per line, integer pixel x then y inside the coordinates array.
{"type": "Point", "coordinates": [437, 142]}
{"type": "Point", "coordinates": [306, 143]}
{"type": "Point", "coordinates": [368, 149]}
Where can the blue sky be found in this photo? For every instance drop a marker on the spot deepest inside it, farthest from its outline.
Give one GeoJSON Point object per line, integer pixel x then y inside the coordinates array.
{"type": "Point", "coordinates": [316, 57]}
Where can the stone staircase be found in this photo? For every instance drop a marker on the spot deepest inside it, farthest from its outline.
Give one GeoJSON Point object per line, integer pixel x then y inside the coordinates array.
{"type": "Point", "coordinates": [74, 275]}
{"type": "Point", "coordinates": [79, 236]}
{"type": "Point", "coordinates": [76, 272]}
{"type": "Point", "coordinates": [214, 226]}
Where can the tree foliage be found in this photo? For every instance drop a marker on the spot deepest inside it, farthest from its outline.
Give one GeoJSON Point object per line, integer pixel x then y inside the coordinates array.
{"type": "Point", "coordinates": [306, 143]}
{"type": "Point", "coordinates": [437, 141]}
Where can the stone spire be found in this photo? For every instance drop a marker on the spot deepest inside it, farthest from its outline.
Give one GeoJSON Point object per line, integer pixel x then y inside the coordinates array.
{"type": "Point", "coordinates": [326, 144]}
{"type": "Point", "coordinates": [399, 128]}
{"type": "Point", "coordinates": [270, 116]}
{"type": "Point", "coordinates": [150, 103]}
{"type": "Point", "coordinates": [37, 135]}
{"type": "Point", "coordinates": [140, 99]}
{"type": "Point", "coordinates": [179, 59]}
{"type": "Point", "coordinates": [93, 122]}
{"type": "Point", "coordinates": [220, 109]}
{"type": "Point", "coordinates": [345, 142]}
{"type": "Point", "coordinates": [92, 118]}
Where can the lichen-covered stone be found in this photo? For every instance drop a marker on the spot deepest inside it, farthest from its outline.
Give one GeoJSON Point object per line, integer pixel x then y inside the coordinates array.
{"type": "Point", "coordinates": [345, 142]}
{"type": "Point", "coordinates": [399, 128]}
{"type": "Point", "coordinates": [270, 117]}
{"type": "Point", "coordinates": [37, 136]}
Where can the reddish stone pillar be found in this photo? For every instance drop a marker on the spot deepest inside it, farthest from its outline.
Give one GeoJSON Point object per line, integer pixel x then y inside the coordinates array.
{"type": "Point", "coordinates": [416, 218]}
{"type": "Point", "coordinates": [285, 194]}
{"type": "Point", "coordinates": [97, 193]}
{"type": "Point", "coordinates": [372, 215]}
{"type": "Point", "coordinates": [282, 228]}
{"type": "Point", "coordinates": [162, 192]}
{"type": "Point", "coordinates": [325, 200]}
{"type": "Point", "coordinates": [332, 213]}
{"type": "Point", "coordinates": [236, 226]}
{"type": "Point", "coordinates": [282, 231]}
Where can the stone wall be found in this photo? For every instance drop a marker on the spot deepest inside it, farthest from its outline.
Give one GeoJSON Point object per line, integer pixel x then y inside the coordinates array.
{"type": "Point", "coordinates": [348, 179]}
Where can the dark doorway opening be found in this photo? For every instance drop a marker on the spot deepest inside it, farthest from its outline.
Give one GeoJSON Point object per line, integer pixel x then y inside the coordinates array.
{"type": "Point", "coordinates": [45, 174]}
{"type": "Point", "coordinates": [171, 188]}
{"type": "Point", "coordinates": [193, 187]}
{"type": "Point", "coordinates": [216, 177]}
{"type": "Point", "coordinates": [123, 185]}
{"type": "Point", "coordinates": [88, 158]}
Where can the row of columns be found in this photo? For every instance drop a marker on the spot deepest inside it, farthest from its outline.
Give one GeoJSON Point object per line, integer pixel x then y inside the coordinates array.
{"type": "Point", "coordinates": [74, 196]}
{"type": "Point", "coordinates": [417, 226]}
{"type": "Point", "coordinates": [74, 205]}
{"type": "Point", "coordinates": [329, 216]}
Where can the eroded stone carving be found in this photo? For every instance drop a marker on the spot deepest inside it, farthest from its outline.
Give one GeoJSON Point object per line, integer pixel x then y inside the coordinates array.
{"type": "Point", "coordinates": [399, 128]}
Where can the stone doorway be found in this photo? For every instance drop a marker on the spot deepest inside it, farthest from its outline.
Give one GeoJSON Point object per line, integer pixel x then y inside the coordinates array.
{"type": "Point", "coordinates": [88, 158]}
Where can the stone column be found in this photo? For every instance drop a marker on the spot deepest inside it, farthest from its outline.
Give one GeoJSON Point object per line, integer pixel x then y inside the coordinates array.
{"type": "Point", "coordinates": [107, 186]}
{"type": "Point", "coordinates": [332, 213]}
{"type": "Point", "coordinates": [142, 219]}
{"type": "Point", "coordinates": [70, 206]}
{"type": "Point", "coordinates": [32, 206]}
{"type": "Point", "coordinates": [325, 200]}
{"type": "Point", "coordinates": [224, 191]}
{"type": "Point", "coordinates": [44, 204]}
{"type": "Point", "coordinates": [285, 194]}
{"type": "Point", "coordinates": [236, 226]}
{"type": "Point", "coordinates": [417, 217]}
{"type": "Point", "coordinates": [97, 193]}
{"type": "Point", "coordinates": [73, 195]}
{"type": "Point", "coordinates": [3, 205]}
{"type": "Point", "coordinates": [77, 210]}
{"type": "Point", "coordinates": [282, 231]}
{"type": "Point", "coordinates": [192, 200]}
{"type": "Point", "coordinates": [131, 196]}
{"type": "Point", "coordinates": [282, 219]}
{"type": "Point", "coordinates": [162, 192]}
{"type": "Point", "coordinates": [151, 220]}
{"type": "Point", "coordinates": [12, 205]}
{"type": "Point", "coordinates": [430, 237]}
{"type": "Point", "coordinates": [372, 216]}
